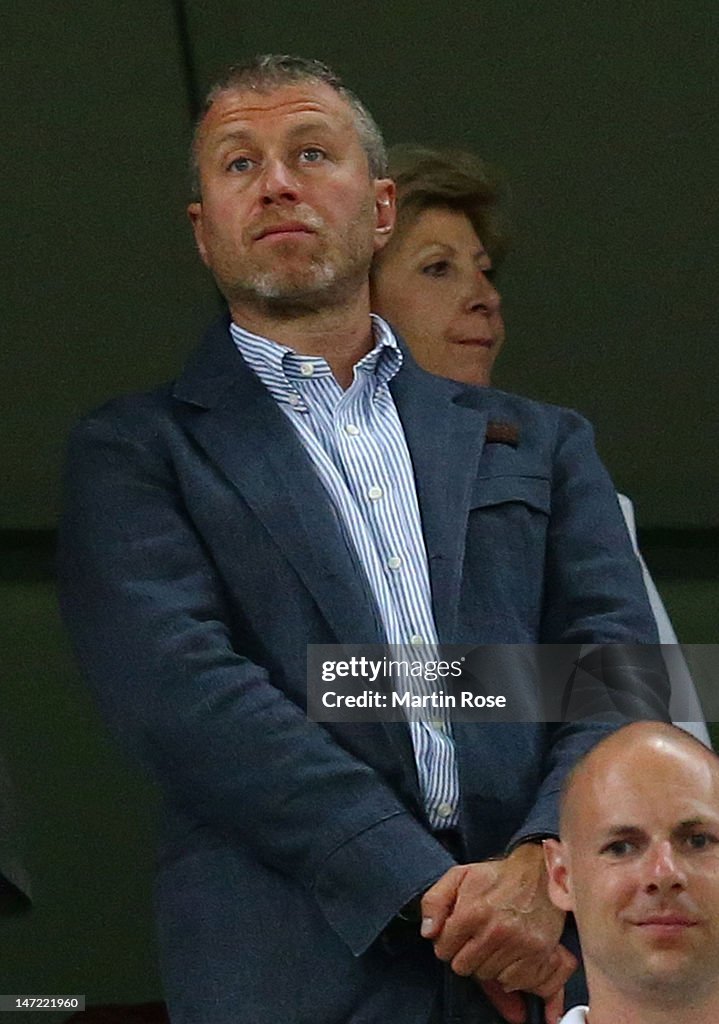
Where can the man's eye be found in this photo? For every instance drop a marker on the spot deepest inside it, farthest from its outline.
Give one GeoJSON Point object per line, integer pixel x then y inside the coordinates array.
{"type": "Point", "coordinates": [701, 840]}
{"type": "Point", "coordinates": [440, 268]}
{"type": "Point", "coordinates": [312, 155]}
{"type": "Point", "coordinates": [619, 848]}
{"type": "Point", "coordinates": [240, 163]}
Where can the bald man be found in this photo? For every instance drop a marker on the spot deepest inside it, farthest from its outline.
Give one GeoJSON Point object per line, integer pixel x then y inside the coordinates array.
{"type": "Point", "coordinates": [638, 864]}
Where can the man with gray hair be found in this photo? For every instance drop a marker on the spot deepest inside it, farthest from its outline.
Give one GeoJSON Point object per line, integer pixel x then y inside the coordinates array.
{"type": "Point", "coordinates": [303, 482]}
{"type": "Point", "coordinates": [638, 865]}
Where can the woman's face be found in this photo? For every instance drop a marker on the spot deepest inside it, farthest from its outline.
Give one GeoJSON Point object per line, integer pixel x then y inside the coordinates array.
{"type": "Point", "coordinates": [433, 283]}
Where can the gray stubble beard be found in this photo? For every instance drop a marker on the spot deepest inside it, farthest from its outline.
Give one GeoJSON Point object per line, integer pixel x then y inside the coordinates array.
{"type": "Point", "coordinates": [274, 294]}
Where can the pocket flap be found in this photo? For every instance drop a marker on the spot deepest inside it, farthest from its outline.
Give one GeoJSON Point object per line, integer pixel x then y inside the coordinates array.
{"type": "Point", "coordinates": [534, 491]}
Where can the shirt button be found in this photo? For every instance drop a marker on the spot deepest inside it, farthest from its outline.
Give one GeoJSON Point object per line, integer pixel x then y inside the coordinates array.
{"type": "Point", "coordinates": [445, 810]}
{"type": "Point", "coordinates": [294, 399]}
{"type": "Point", "coordinates": [394, 562]}
{"type": "Point", "coordinates": [437, 724]}
{"type": "Point", "coordinates": [352, 429]}
{"type": "Point", "coordinates": [375, 493]}
{"type": "Point", "coordinates": [307, 369]}
{"type": "Point", "coordinates": [416, 639]}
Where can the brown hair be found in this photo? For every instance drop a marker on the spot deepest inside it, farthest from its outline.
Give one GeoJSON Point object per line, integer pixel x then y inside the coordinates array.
{"type": "Point", "coordinates": [428, 178]}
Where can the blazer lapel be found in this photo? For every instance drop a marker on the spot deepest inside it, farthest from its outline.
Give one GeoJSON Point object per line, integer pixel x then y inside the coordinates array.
{"type": "Point", "coordinates": [231, 414]}
{"type": "Point", "coordinates": [445, 426]}
{"type": "Point", "coordinates": [233, 417]}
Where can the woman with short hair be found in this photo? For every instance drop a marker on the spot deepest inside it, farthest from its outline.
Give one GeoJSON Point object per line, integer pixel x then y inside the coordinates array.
{"type": "Point", "coordinates": [434, 281]}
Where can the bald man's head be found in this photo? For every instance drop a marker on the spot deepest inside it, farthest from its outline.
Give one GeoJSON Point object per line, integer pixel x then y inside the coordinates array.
{"type": "Point", "coordinates": [635, 744]}
{"type": "Point", "coordinates": [638, 863]}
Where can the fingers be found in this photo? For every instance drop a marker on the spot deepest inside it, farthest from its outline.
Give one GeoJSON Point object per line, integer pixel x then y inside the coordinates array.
{"type": "Point", "coordinates": [438, 902]}
{"type": "Point", "coordinates": [493, 916]}
{"type": "Point", "coordinates": [554, 1007]}
{"type": "Point", "coordinates": [513, 1008]}
{"type": "Point", "coordinates": [476, 939]}
{"type": "Point", "coordinates": [467, 917]}
{"type": "Point", "coordinates": [510, 1005]}
{"type": "Point", "coordinates": [542, 976]}
{"type": "Point", "coordinates": [486, 954]}
{"type": "Point", "coordinates": [493, 921]}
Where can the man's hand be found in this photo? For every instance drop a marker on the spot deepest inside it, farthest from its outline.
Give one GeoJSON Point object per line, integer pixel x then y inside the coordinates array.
{"type": "Point", "coordinates": [512, 1006]}
{"type": "Point", "coordinates": [494, 921]}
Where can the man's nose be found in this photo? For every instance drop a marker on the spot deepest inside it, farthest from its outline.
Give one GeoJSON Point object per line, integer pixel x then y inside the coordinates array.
{"type": "Point", "coordinates": [278, 183]}
{"type": "Point", "coordinates": [665, 871]}
{"type": "Point", "coordinates": [483, 296]}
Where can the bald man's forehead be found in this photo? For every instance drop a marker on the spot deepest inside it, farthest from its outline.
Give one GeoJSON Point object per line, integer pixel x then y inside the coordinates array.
{"type": "Point", "coordinates": [641, 777]}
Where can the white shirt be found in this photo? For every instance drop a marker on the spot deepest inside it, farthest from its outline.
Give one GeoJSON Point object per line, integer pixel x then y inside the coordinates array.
{"type": "Point", "coordinates": [356, 442]}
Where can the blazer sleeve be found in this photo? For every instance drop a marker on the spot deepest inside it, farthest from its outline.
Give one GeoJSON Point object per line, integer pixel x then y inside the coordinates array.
{"type": "Point", "coordinates": [594, 591]}
{"type": "Point", "coordinates": [149, 620]}
{"type": "Point", "coordinates": [594, 597]}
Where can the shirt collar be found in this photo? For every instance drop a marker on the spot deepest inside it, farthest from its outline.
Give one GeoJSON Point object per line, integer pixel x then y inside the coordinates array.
{"type": "Point", "coordinates": [280, 368]}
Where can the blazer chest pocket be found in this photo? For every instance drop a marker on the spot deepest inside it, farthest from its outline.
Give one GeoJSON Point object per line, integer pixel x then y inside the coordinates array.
{"type": "Point", "coordinates": [534, 492]}
{"type": "Point", "coordinates": [508, 517]}
{"type": "Point", "coordinates": [505, 555]}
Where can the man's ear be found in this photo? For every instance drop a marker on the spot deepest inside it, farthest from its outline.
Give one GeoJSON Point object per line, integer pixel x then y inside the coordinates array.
{"type": "Point", "coordinates": [194, 212]}
{"type": "Point", "coordinates": [385, 211]}
{"type": "Point", "coordinates": [558, 876]}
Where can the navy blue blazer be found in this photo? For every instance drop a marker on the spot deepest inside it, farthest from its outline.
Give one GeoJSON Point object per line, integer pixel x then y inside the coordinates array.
{"type": "Point", "coordinates": [199, 555]}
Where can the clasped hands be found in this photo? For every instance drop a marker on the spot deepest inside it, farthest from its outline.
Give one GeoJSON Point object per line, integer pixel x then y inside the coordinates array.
{"type": "Point", "coordinates": [494, 921]}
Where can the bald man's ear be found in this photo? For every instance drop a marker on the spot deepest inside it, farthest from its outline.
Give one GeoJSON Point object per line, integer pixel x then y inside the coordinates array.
{"type": "Point", "coordinates": [558, 877]}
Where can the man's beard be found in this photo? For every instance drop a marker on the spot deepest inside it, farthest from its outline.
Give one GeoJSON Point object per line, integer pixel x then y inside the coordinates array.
{"type": "Point", "coordinates": [318, 284]}
{"type": "Point", "coordinates": [324, 279]}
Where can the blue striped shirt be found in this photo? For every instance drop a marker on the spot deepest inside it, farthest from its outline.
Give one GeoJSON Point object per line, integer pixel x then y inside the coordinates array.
{"type": "Point", "coordinates": [357, 446]}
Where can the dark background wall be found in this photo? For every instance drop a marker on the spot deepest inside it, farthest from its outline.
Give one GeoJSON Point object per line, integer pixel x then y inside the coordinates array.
{"type": "Point", "coordinates": [603, 116]}
{"type": "Point", "coordinates": [604, 119]}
